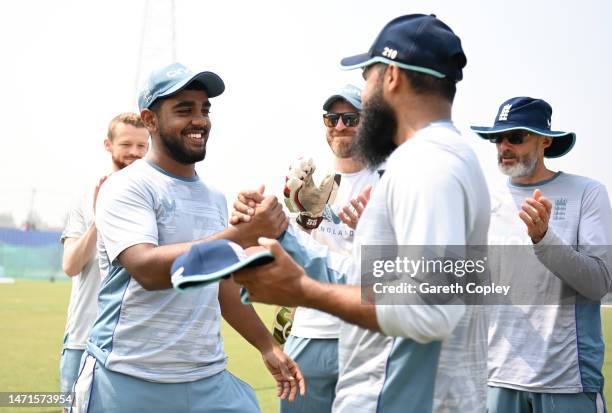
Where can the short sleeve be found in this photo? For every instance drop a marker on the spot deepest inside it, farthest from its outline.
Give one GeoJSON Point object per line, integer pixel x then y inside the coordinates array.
{"type": "Point", "coordinates": [125, 216]}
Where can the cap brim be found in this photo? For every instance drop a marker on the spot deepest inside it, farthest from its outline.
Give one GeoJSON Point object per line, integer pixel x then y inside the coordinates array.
{"type": "Point", "coordinates": [356, 62]}
{"type": "Point", "coordinates": [211, 81]}
{"type": "Point", "coordinates": [183, 283]}
{"type": "Point", "coordinates": [562, 144]}
{"type": "Point", "coordinates": [363, 60]}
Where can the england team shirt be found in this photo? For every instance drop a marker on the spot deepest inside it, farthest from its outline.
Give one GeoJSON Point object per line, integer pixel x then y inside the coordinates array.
{"type": "Point", "coordinates": [83, 307]}
{"type": "Point", "coordinates": [552, 348]}
{"type": "Point", "coordinates": [308, 322]}
{"type": "Point", "coordinates": [428, 357]}
{"type": "Point", "coordinates": [161, 336]}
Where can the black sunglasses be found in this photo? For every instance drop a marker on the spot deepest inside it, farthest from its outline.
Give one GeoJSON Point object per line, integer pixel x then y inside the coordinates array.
{"type": "Point", "coordinates": [513, 138]}
{"type": "Point", "coordinates": [350, 119]}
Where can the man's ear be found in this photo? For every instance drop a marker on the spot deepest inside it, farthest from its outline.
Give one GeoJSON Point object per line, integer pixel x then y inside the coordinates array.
{"type": "Point", "coordinates": [108, 145]}
{"type": "Point", "coordinates": [393, 78]}
{"type": "Point", "coordinates": [149, 118]}
{"type": "Point", "coordinates": [546, 141]}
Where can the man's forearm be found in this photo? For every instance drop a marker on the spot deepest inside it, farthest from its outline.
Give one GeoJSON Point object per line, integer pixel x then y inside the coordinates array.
{"type": "Point", "coordinates": [343, 301]}
{"type": "Point", "coordinates": [79, 251]}
{"type": "Point", "coordinates": [150, 265]}
{"type": "Point", "coordinates": [422, 323]}
{"type": "Point", "coordinates": [587, 275]}
{"type": "Point", "coordinates": [235, 235]}
{"type": "Point", "coordinates": [243, 318]}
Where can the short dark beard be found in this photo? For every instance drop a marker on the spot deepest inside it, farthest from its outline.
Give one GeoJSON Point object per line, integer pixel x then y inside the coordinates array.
{"type": "Point", "coordinates": [377, 129]}
{"type": "Point", "coordinates": [175, 146]}
{"type": "Point", "coordinates": [178, 153]}
{"type": "Point", "coordinates": [177, 150]}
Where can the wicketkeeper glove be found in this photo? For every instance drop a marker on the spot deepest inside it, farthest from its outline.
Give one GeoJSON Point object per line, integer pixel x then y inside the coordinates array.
{"type": "Point", "coordinates": [283, 320]}
{"type": "Point", "coordinates": [303, 196]}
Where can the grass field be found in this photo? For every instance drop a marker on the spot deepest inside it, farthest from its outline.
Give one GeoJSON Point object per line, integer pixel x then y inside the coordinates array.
{"type": "Point", "coordinates": [33, 313]}
{"type": "Point", "coordinates": [32, 316]}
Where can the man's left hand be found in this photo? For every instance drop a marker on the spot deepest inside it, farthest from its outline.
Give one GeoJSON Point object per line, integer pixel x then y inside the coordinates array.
{"type": "Point", "coordinates": [286, 373]}
{"type": "Point", "coordinates": [536, 214]}
{"type": "Point", "coordinates": [350, 216]}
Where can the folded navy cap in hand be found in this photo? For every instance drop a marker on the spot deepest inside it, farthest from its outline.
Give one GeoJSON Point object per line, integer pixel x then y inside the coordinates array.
{"type": "Point", "coordinates": [210, 261]}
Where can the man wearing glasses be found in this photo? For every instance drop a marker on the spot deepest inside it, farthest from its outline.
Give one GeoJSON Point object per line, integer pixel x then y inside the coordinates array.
{"type": "Point", "coordinates": [546, 358]}
{"type": "Point", "coordinates": [313, 342]}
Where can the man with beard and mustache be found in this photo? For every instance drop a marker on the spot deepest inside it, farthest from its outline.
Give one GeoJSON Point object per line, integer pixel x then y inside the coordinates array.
{"type": "Point", "coordinates": [153, 348]}
{"type": "Point", "coordinates": [399, 358]}
{"type": "Point", "coordinates": [127, 140]}
{"type": "Point", "coordinates": [313, 342]}
{"type": "Point", "coordinates": [546, 357]}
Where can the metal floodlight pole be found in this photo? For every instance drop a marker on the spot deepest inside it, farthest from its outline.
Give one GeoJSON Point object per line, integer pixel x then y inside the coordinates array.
{"type": "Point", "coordinates": [149, 21]}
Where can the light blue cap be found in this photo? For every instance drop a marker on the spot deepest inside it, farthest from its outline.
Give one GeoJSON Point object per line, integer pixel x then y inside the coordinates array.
{"type": "Point", "coordinates": [349, 93]}
{"type": "Point", "coordinates": [173, 78]}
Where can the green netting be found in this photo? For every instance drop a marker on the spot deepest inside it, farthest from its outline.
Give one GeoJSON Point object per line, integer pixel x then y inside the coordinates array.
{"type": "Point", "coordinates": [42, 262]}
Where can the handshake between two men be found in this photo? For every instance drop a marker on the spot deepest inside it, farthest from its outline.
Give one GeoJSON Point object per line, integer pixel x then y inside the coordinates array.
{"type": "Point", "coordinates": [261, 221]}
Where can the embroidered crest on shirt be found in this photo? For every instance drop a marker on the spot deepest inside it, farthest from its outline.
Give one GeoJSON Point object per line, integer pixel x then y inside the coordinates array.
{"type": "Point", "coordinates": [559, 209]}
{"type": "Point", "coordinates": [167, 210]}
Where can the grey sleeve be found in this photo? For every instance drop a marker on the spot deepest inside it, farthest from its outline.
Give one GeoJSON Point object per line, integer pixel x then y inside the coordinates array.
{"type": "Point", "coordinates": [586, 268]}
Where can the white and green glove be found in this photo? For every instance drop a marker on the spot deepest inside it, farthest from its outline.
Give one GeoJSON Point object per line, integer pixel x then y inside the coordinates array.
{"type": "Point", "coordinates": [303, 196]}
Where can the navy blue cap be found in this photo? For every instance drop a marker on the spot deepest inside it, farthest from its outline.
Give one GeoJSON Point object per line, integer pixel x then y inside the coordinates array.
{"type": "Point", "coordinates": [172, 79]}
{"type": "Point", "coordinates": [210, 261]}
{"type": "Point", "coordinates": [349, 93]}
{"type": "Point", "coordinates": [416, 42]}
{"type": "Point", "coordinates": [533, 115]}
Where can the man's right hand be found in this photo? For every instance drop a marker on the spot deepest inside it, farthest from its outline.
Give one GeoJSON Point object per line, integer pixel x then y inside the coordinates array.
{"type": "Point", "coordinates": [265, 218]}
{"type": "Point", "coordinates": [96, 191]}
{"type": "Point", "coordinates": [244, 206]}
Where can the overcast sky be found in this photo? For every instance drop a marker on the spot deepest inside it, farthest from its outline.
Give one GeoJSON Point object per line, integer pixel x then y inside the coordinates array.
{"type": "Point", "coordinates": [70, 66]}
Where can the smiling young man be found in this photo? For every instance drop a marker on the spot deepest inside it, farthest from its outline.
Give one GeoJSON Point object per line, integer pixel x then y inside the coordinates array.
{"type": "Point", "coordinates": [127, 140]}
{"type": "Point", "coordinates": [546, 358]}
{"type": "Point", "coordinates": [153, 348]}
